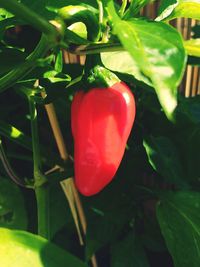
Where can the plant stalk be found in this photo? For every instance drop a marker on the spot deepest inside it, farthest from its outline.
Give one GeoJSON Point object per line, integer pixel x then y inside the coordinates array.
{"type": "Point", "coordinates": [123, 7]}
{"type": "Point", "coordinates": [41, 185]}
{"type": "Point", "coordinates": [95, 48]}
{"type": "Point", "coordinates": [19, 72]}
{"type": "Point", "coordinates": [31, 17]}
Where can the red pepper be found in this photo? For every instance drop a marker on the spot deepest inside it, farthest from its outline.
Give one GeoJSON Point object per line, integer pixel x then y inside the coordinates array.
{"type": "Point", "coordinates": [102, 119]}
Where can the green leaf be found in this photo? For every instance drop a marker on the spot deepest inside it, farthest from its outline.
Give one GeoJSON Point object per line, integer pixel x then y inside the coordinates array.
{"type": "Point", "coordinates": [59, 62]}
{"type": "Point", "coordinates": [18, 137]}
{"type": "Point", "coordinates": [128, 253]}
{"type": "Point", "coordinates": [55, 77]}
{"type": "Point", "coordinates": [4, 14]}
{"type": "Point", "coordinates": [123, 62]}
{"type": "Point", "coordinates": [40, 7]}
{"type": "Point", "coordinates": [166, 8]}
{"type": "Point", "coordinates": [135, 7]}
{"type": "Point", "coordinates": [79, 28]}
{"type": "Point", "coordinates": [188, 110]}
{"type": "Point", "coordinates": [55, 5]}
{"type": "Point", "coordinates": [19, 248]}
{"type": "Point", "coordinates": [193, 47]}
{"type": "Point", "coordinates": [105, 221]}
{"type": "Point", "coordinates": [194, 61]}
{"type": "Point", "coordinates": [60, 213]}
{"type": "Point", "coordinates": [181, 8]}
{"type": "Point", "coordinates": [158, 52]}
{"type": "Point", "coordinates": [12, 209]}
{"type": "Point", "coordinates": [15, 135]}
{"type": "Point", "coordinates": [7, 23]}
{"type": "Point", "coordinates": [193, 148]}
{"type": "Point", "coordinates": [179, 218]}
{"type": "Point", "coordinates": [196, 31]}
{"type": "Point", "coordinates": [164, 158]}
{"type": "Point", "coordinates": [190, 150]}
{"type": "Point", "coordinates": [11, 58]}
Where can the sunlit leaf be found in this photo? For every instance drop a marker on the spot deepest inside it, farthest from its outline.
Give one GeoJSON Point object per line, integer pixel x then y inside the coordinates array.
{"type": "Point", "coordinates": [193, 47]}
{"type": "Point", "coordinates": [15, 135]}
{"type": "Point", "coordinates": [19, 248]}
{"type": "Point", "coordinates": [163, 64]}
{"type": "Point", "coordinates": [179, 8]}
{"type": "Point", "coordinates": [123, 62]}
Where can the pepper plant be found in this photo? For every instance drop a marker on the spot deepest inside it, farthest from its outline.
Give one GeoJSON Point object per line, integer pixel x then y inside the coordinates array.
{"type": "Point", "coordinates": [149, 214]}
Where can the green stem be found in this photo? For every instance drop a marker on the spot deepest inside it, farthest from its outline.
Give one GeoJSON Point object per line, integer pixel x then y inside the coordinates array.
{"type": "Point", "coordinates": [95, 48]}
{"type": "Point", "coordinates": [41, 186]}
{"type": "Point", "coordinates": [100, 5]}
{"type": "Point", "coordinates": [19, 72]}
{"type": "Point", "coordinates": [102, 77]}
{"type": "Point", "coordinates": [123, 7]}
{"type": "Point", "coordinates": [42, 198]}
{"type": "Point", "coordinates": [31, 17]}
{"type": "Point", "coordinates": [10, 172]}
{"type": "Point", "coordinates": [35, 137]}
{"type": "Point", "coordinates": [110, 7]}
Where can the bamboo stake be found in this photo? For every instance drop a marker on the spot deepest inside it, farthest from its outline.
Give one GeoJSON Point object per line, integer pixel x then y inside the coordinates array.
{"type": "Point", "coordinates": [198, 90]}
{"type": "Point", "coordinates": [73, 197]}
{"type": "Point", "coordinates": [82, 219]}
{"type": "Point", "coordinates": [195, 80]}
{"type": "Point", "coordinates": [188, 81]}
{"type": "Point", "coordinates": [56, 130]}
{"type": "Point", "coordinates": [69, 193]}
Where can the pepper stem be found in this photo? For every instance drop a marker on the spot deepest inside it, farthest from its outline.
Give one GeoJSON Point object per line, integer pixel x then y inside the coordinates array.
{"type": "Point", "coordinates": [102, 77]}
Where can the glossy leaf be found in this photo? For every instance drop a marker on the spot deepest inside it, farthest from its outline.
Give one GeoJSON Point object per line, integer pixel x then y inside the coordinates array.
{"type": "Point", "coordinates": [4, 14]}
{"type": "Point", "coordinates": [163, 64]}
{"type": "Point", "coordinates": [19, 248]}
{"type": "Point", "coordinates": [193, 47]}
{"type": "Point", "coordinates": [12, 208]}
{"type": "Point", "coordinates": [79, 28]}
{"type": "Point", "coordinates": [179, 8]}
{"type": "Point", "coordinates": [123, 62]}
{"type": "Point", "coordinates": [164, 158]}
{"type": "Point", "coordinates": [128, 253]}
{"type": "Point", "coordinates": [166, 8]}
{"type": "Point", "coordinates": [59, 62]}
{"type": "Point", "coordinates": [179, 218]}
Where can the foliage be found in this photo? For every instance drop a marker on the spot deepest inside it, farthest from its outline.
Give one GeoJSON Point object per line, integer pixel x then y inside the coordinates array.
{"type": "Point", "coordinates": [152, 206]}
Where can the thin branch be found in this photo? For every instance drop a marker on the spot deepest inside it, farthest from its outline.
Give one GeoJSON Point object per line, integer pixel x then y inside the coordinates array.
{"type": "Point", "coordinates": [9, 169]}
